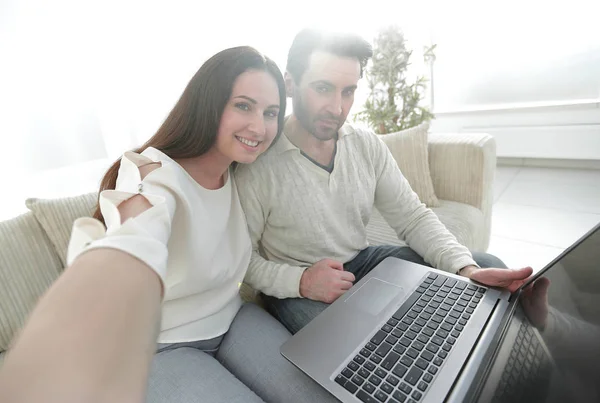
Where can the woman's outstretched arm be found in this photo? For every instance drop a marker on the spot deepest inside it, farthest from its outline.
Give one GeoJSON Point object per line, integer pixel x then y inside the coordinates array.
{"type": "Point", "coordinates": [92, 336]}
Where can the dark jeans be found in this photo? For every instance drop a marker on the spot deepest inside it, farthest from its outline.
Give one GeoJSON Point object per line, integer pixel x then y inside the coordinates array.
{"type": "Point", "coordinates": [295, 313]}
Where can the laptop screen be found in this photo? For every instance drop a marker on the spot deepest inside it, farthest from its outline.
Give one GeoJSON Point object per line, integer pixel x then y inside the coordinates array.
{"type": "Point", "coordinates": [563, 304]}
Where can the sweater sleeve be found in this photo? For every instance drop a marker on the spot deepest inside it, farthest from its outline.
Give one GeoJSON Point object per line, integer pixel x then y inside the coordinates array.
{"type": "Point", "coordinates": [145, 236]}
{"type": "Point", "coordinates": [277, 279]}
{"type": "Point", "coordinates": [412, 220]}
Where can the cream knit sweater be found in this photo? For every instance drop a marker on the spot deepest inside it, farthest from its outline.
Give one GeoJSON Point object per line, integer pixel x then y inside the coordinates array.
{"type": "Point", "coordinates": [300, 214]}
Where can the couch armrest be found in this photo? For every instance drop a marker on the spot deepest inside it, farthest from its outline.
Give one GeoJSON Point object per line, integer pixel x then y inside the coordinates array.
{"type": "Point", "coordinates": [462, 169]}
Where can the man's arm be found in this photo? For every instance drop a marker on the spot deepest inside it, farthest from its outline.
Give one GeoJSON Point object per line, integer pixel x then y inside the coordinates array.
{"type": "Point", "coordinates": [412, 220]}
{"type": "Point", "coordinates": [424, 232]}
{"type": "Point", "coordinates": [324, 281]}
{"type": "Point", "coordinates": [277, 279]}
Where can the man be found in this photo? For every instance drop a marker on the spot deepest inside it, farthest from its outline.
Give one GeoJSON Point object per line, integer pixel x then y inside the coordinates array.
{"type": "Point", "coordinates": [308, 199]}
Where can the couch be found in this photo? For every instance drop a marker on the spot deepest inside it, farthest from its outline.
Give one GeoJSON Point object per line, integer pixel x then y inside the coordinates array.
{"type": "Point", "coordinates": [453, 173]}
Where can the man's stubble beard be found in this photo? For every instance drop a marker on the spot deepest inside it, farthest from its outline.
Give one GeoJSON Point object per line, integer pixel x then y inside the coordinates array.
{"type": "Point", "coordinates": [306, 121]}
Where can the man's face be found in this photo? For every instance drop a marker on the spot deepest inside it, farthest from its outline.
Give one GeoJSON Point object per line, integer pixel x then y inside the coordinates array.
{"type": "Point", "coordinates": [323, 97]}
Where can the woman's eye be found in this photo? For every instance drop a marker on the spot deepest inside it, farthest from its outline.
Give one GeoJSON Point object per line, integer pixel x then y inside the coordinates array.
{"type": "Point", "coordinates": [243, 106]}
{"type": "Point", "coordinates": [272, 114]}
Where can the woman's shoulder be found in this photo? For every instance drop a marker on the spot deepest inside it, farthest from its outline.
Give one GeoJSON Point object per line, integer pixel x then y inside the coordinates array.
{"type": "Point", "coordinates": [151, 165]}
{"type": "Point", "coordinates": [147, 161]}
{"type": "Point", "coordinates": [155, 153]}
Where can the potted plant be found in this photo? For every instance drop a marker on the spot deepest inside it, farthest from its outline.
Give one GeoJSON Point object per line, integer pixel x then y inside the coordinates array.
{"type": "Point", "coordinates": [394, 103]}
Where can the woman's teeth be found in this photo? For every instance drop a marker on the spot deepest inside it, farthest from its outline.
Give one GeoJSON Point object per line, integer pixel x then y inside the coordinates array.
{"type": "Point", "coordinates": [250, 143]}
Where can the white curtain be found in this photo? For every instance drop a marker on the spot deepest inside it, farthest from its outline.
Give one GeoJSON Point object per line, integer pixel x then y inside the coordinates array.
{"type": "Point", "coordinates": [82, 81]}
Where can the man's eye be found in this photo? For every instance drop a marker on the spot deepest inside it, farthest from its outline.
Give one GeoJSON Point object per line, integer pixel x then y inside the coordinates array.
{"type": "Point", "coordinates": [243, 106]}
{"type": "Point", "coordinates": [348, 93]}
{"type": "Point", "coordinates": [322, 88]}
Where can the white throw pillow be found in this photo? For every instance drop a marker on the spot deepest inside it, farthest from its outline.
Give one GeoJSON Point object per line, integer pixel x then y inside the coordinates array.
{"type": "Point", "coordinates": [57, 216]}
{"type": "Point", "coordinates": [409, 148]}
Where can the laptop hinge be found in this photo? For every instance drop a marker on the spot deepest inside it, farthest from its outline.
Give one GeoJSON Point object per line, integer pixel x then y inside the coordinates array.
{"type": "Point", "coordinates": [465, 379]}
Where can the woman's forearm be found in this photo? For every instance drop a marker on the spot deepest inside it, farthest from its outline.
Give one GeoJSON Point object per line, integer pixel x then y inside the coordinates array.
{"type": "Point", "coordinates": [92, 336]}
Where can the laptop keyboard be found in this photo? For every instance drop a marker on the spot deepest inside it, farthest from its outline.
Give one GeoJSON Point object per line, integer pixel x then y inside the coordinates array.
{"type": "Point", "coordinates": [527, 373]}
{"type": "Point", "coordinates": [402, 359]}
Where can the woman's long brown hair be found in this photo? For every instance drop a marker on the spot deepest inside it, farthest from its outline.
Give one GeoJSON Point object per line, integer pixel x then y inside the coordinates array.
{"type": "Point", "coordinates": [191, 128]}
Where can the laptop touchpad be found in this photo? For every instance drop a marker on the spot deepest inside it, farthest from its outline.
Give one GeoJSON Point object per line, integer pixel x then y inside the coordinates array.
{"type": "Point", "coordinates": [373, 296]}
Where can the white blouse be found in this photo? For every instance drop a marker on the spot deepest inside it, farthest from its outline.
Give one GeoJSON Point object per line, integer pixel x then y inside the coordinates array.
{"type": "Point", "coordinates": [195, 239]}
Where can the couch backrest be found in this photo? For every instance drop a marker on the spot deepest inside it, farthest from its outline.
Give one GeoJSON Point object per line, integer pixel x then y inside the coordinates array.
{"type": "Point", "coordinates": [29, 263]}
{"type": "Point", "coordinates": [33, 253]}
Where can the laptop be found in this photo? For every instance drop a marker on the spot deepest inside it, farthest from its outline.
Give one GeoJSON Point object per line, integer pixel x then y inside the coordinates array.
{"type": "Point", "coordinates": [410, 333]}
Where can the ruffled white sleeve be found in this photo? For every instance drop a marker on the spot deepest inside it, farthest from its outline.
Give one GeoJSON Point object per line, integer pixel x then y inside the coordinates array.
{"type": "Point", "coordinates": [145, 236]}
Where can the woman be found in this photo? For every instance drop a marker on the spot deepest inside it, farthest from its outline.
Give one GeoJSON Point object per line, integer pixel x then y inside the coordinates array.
{"type": "Point", "coordinates": [176, 210]}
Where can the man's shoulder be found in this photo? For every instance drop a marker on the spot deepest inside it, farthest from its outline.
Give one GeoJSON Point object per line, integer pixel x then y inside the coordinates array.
{"type": "Point", "coordinates": [365, 138]}
{"type": "Point", "coordinates": [259, 168]}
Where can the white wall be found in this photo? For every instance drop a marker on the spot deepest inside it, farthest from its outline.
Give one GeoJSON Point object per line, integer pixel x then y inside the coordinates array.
{"type": "Point", "coordinates": [568, 130]}
{"type": "Point", "coordinates": [527, 72]}
{"type": "Point", "coordinates": [516, 51]}
{"type": "Point", "coordinates": [84, 80]}
{"type": "Point", "coordinates": [81, 81]}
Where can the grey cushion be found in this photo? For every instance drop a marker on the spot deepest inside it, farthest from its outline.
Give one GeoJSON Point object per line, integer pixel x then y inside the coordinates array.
{"type": "Point", "coordinates": [28, 265]}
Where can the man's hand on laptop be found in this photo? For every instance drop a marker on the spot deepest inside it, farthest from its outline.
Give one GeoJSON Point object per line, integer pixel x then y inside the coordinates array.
{"type": "Point", "coordinates": [510, 279]}
{"type": "Point", "coordinates": [325, 281]}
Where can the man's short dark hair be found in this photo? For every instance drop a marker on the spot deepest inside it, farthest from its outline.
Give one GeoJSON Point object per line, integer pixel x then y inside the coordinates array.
{"type": "Point", "coordinates": [310, 40]}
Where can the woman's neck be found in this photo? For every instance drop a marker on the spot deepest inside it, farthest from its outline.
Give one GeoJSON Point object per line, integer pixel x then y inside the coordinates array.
{"type": "Point", "coordinates": [208, 170]}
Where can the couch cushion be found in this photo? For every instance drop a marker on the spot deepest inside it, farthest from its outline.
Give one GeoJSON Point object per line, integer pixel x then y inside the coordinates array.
{"type": "Point", "coordinates": [410, 150]}
{"type": "Point", "coordinates": [463, 220]}
{"type": "Point", "coordinates": [57, 216]}
{"type": "Point", "coordinates": [28, 265]}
